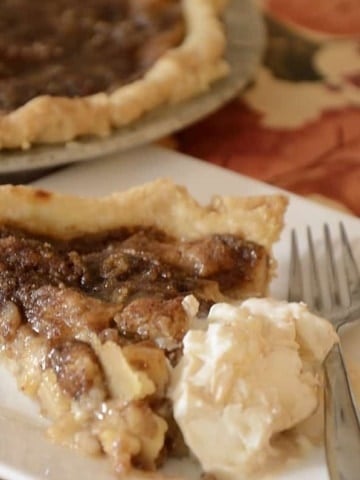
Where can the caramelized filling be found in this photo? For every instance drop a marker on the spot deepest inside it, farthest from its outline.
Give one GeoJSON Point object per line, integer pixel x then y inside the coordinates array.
{"type": "Point", "coordinates": [67, 48]}
{"type": "Point", "coordinates": [76, 315]}
{"type": "Point", "coordinates": [125, 279]}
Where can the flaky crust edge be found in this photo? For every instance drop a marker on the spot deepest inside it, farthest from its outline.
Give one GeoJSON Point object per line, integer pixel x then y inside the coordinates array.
{"type": "Point", "coordinates": [181, 73]}
{"type": "Point", "coordinates": [160, 203]}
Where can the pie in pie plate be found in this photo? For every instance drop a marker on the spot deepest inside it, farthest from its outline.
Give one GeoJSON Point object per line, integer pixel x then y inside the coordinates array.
{"type": "Point", "coordinates": [79, 69]}
{"type": "Point", "coordinates": [92, 298]}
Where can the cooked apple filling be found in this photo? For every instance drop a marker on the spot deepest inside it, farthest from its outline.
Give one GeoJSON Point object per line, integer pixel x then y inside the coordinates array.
{"type": "Point", "coordinates": [93, 322]}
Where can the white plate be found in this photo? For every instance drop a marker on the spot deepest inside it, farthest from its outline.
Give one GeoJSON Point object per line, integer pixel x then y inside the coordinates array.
{"type": "Point", "coordinates": [25, 453]}
{"type": "Point", "coordinates": [246, 39]}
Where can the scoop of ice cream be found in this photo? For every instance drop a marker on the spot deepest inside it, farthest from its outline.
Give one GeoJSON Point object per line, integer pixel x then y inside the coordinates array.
{"type": "Point", "coordinates": [254, 372]}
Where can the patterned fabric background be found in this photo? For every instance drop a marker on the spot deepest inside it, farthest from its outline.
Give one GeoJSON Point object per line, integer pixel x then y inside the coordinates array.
{"type": "Point", "coordinates": [297, 125]}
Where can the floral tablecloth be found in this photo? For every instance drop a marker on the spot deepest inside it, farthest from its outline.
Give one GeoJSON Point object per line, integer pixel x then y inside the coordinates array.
{"type": "Point", "coordinates": [297, 125]}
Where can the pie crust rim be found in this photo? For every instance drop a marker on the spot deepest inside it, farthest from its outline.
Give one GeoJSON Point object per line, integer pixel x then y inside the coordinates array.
{"type": "Point", "coordinates": [179, 74]}
{"type": "Point", "coordinates": [160, 203]}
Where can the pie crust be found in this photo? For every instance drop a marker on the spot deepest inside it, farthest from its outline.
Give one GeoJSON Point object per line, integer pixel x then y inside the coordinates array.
{"type": "Point", "coordinates": [179, 74]}
{"type": "Point", "coordinates": [161, 203]}
{"type": "Point", "coordinates": [136, 374]}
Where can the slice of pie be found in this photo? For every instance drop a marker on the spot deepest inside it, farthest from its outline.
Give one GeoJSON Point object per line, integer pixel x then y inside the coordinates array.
{"type": "Point", "coordinates": [92, 310]}
{"type": "Point", "coordinates": [69, 69]}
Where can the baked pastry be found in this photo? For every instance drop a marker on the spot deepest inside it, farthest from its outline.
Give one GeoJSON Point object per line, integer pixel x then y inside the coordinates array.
{"type": "Point", "coordinates": [83, 68]}
{"type": "Point", "coordinates": [92, 302]}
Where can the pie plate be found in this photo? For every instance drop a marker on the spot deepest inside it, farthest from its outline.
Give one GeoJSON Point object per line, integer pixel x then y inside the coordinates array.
{"type": "Point", "coordinates": [245, 33]}
{"type": "Point", "coordinates": [25, 451]}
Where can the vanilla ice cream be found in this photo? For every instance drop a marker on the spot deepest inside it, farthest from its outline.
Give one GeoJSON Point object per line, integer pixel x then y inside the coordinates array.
{"type": "Point", "coordinates": [252, 373]}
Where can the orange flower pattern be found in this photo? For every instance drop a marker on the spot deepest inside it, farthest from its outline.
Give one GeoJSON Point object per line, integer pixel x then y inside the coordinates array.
{"type": "Point", "coordinates": [298, 125]}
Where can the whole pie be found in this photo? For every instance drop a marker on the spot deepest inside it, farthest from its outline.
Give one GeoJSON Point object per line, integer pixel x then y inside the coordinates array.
{"type": "Point", "coordinates": [69, 69]}
{"type": "Point", "coordinates": [93, 304]}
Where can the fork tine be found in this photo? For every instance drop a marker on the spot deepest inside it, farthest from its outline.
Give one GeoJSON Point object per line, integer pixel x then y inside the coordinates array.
{"type": "Point", "coordinates": [296, 284]}
{"type": "Point", "coordinates": [333, 278]}
{"type": "Point", "coordinates": [326, 296]}
{"type": "Point", "coordinates": [351, 269]}
{"type": "Point", "coordinates": [316, 293]}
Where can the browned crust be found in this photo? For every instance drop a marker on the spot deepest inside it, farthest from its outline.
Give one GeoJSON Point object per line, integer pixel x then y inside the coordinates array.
{"type": "Point", "coordinates": [160, 203]}
{"type": "Point", "coordinates": [181, 73]}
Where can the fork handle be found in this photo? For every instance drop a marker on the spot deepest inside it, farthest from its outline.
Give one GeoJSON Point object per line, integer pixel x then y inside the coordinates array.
{"type": "Point", "coordinates": [342, 431]}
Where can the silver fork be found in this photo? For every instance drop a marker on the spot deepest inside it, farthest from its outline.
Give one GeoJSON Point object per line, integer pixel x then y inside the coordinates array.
{"type": "Point", "coordinates": [327, 298]}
